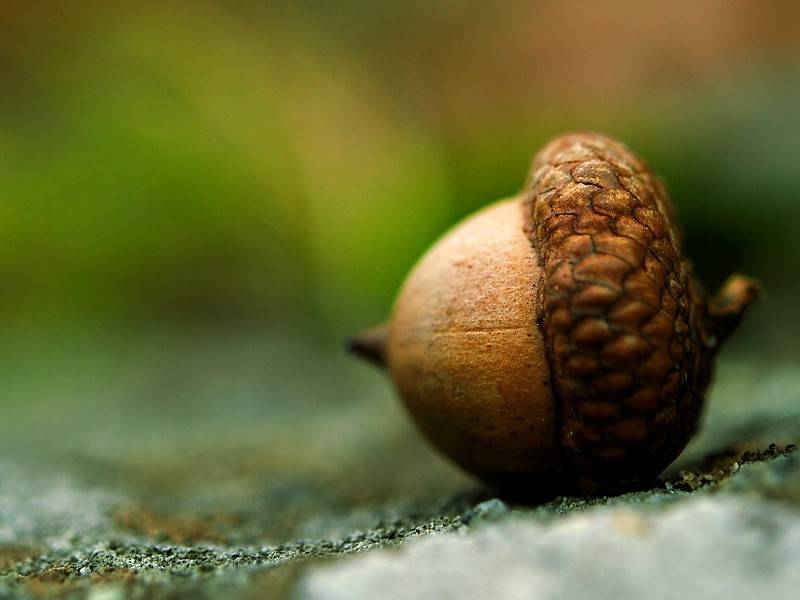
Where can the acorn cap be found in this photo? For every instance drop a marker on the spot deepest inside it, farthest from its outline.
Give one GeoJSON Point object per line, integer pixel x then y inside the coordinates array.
{"type": "Point", "coordinates": [629, 336]}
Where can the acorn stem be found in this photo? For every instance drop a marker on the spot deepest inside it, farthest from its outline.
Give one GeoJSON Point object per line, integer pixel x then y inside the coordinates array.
{"type": "Point", "coordinates": [370, 344]}
{"type": "Point", "coordinates": [729, 305]}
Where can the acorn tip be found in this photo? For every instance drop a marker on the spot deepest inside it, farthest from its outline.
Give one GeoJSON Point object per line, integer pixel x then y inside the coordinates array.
{"type": "Point", "coordinates": [370, 344]}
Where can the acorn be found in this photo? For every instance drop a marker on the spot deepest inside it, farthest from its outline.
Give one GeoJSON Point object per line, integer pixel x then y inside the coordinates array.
{"type": "Point", "coordinates": [556, 341]}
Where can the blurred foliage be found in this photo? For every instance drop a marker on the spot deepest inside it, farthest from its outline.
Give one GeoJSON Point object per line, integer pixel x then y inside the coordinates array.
{"type": "Point", "coordinates": [286, 162]}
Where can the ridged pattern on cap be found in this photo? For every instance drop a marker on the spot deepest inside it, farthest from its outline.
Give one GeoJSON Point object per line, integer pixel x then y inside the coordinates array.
{"type": "Point", "coordinates": [621, 321]}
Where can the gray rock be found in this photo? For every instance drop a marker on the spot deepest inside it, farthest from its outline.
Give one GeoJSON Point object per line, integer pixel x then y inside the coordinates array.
{"type": "Point", "coordinates": [705, 547]}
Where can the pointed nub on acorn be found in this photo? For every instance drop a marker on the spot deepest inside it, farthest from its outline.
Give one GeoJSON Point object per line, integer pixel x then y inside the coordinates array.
{"type": "Point", "coordinates": [558, 336]}
{"type": "Point", "coordinates": [370, 344]}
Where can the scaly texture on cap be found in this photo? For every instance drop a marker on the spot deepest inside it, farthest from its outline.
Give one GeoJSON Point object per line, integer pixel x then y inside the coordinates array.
{"type": "Point", "coordinates": [626, 332]}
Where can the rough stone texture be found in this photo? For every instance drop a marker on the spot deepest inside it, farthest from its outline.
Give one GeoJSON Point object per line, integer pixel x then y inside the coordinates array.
{"type": "Point", "coordinates": [211, 466]}
{"type": "Point", "coordinates": [705, 547]}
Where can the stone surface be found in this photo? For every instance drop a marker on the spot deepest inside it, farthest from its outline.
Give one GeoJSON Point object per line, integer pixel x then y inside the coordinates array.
{"type": "Point", "coordinates": [704, 547]}
{"type": "Point", "coordinates": [210, 466]}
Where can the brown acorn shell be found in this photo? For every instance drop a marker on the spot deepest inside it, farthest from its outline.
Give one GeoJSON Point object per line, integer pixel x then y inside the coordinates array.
{"type": "Point", "coordinates": [464, 354]}
{"type": "Point", "coordinates": [558, 336]}
{"type": "Point", "coordinates": [623, 326]}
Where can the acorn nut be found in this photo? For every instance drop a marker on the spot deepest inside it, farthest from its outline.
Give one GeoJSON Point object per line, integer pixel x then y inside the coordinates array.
{"type": "Point", "coordinates": [557, 340]}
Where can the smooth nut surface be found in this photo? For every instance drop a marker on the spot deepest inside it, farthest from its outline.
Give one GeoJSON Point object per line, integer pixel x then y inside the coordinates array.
{"type": "Point", "coordinates": [465, 352]}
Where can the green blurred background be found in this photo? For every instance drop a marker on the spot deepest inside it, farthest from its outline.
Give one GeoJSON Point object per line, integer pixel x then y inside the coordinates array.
{"type": "Point", "coordinates": [199, 200]}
